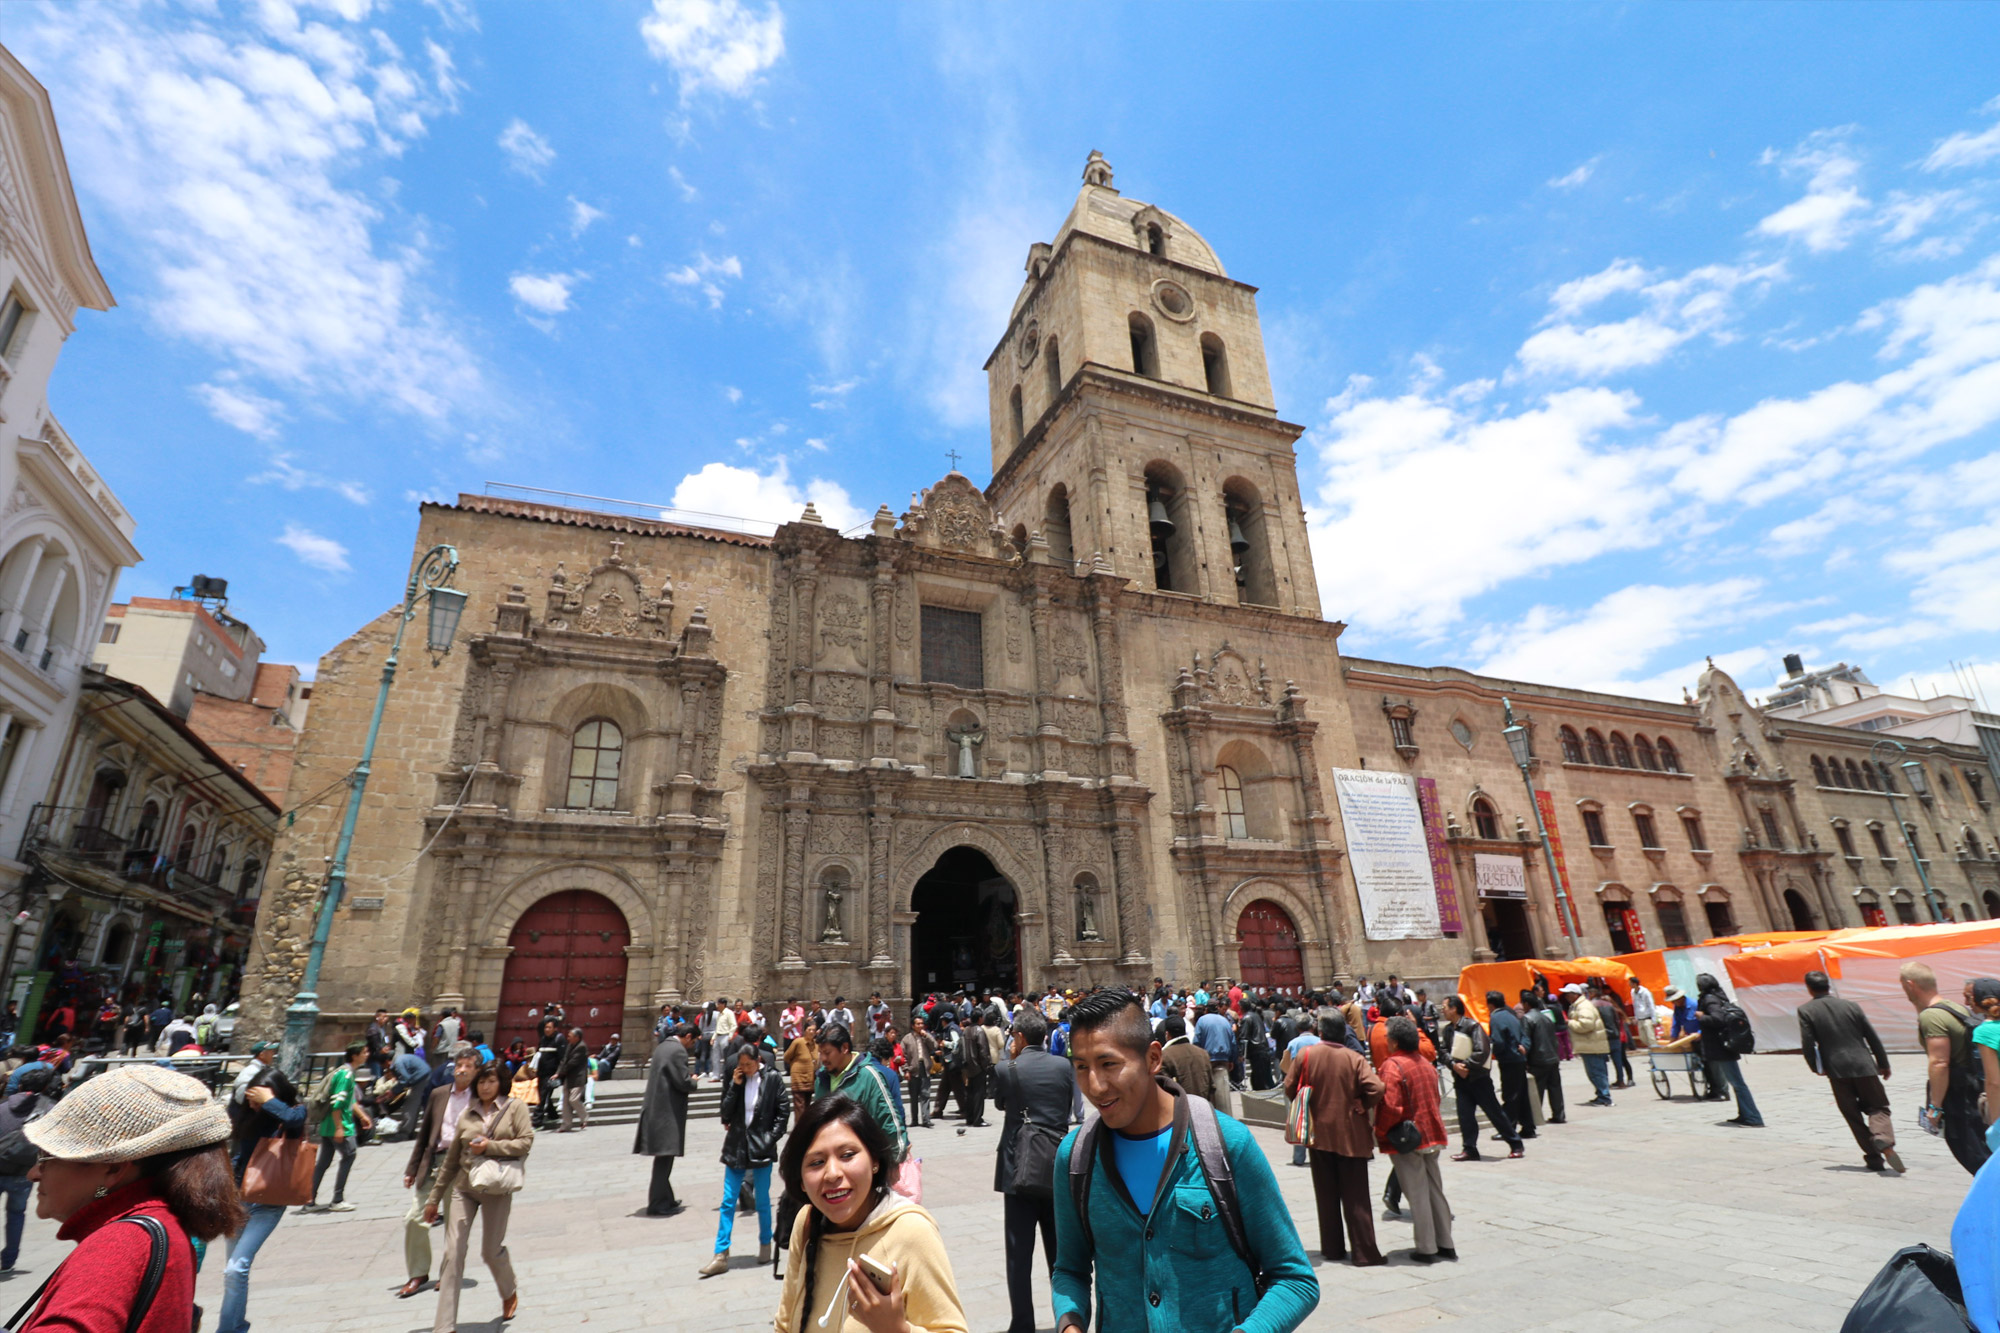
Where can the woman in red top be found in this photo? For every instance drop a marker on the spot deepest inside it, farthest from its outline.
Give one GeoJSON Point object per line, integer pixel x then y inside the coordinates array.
{"type": "Point", "coordinates": [130, 1156]}
{"type": "Point", "coordinates": [1410, 1092]}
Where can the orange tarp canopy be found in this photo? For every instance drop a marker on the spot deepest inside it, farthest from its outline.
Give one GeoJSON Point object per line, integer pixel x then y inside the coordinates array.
{"type": "Point", "coordinates": [1790, 962]}
{"type": "Point", "coordinates": [1511, 978]}
{"type": "Point", "coordinates": [1769, 937]}
{"type": "Point", "coordinates": [1649, 969]}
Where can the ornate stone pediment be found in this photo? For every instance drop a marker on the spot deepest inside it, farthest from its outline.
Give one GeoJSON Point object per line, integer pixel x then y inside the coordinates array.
{"type": "Point", "coordinates": [1225, 679]}
{"type": "Point", "coordinates": [954, 516]}
{"type": "Point", "coordinates": [611, 600]}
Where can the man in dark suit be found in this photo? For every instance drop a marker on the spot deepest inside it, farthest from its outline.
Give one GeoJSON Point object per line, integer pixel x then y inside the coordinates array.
{"type": "Point", "coordinates": [437, 1125]}
{"type": "Point", "coordinates": [1038, 1093]}
{"type": "Point", "coordinates": [662, 1132]}
{"type": "Point", "coordinates": [1840, 1045]}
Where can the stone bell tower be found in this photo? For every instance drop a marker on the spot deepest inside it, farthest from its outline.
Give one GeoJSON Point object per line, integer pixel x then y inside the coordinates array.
{"type": "Point", "coordinates": [1132, 415]}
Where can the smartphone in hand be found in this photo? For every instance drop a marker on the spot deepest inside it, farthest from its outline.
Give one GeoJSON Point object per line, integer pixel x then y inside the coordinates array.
{"type": "Point", "coordinates": [881, 1274]}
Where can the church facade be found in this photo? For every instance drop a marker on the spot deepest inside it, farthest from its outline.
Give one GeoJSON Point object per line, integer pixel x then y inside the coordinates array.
{"type": "Point", "coordinates": [1077, 727]}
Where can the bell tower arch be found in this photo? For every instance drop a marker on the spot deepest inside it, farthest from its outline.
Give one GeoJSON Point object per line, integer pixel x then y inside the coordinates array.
{"type": "Point", "coordinates": [1130, 357]}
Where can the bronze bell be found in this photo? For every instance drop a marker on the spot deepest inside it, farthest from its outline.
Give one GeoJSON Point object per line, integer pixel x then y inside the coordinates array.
{"type": "Point", "coordinates": [1238, 543]}
{"type": "Point", "coordinates": [1156, 514]}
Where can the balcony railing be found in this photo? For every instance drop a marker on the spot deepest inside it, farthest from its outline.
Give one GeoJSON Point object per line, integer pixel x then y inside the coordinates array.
{"type": "Point", "coordinates": [75, 832]}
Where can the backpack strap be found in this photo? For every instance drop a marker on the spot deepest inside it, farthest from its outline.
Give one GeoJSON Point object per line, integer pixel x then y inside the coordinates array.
{"type": "Point", "coordinates": [1082, 1157]}
{"type": "Point", "coordinates": [1221, 1177]}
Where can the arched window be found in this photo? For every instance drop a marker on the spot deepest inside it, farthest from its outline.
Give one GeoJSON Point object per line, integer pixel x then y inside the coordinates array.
{"type": "Point", "coordinates": [1572, 746]}
{"type": "Point", "coordinates": [595, 753]}
{"type": "Point", "coordinates": [184, 849]}
{"type": "Point", "coordinates": [1052, 367]}
{"type": "Point", "coordinates": [1670, 758]}
{"type": "Point", "coordinates": [248, 881]}
{"type": "Point", "coordinates": [1972, 844]}
{"type": "Point", "coordinates": [1171, 528]}
{"type": "Point", "coordinates": [1644, 749]}
{"type": "Point", "coordinates": [1018, 538]}
{"type": "Point", "coordinates": [1055, 527]}
{"type": "Point", "coordinates": [1868, 775]}
{"type": "Point", "coordinates": [1145, 351]}
{"type": "Point", "coordinates": [1215, 365]}
{"type": "Point", "coordinates": [1819, 771]}
{"type": "Point", "coordinates": [1853, 776]}
{"type": "Point", "coordinates": [1234, 825]}
{"type": "Point", "coordinates": [1621, 751]}
{"type": "Point", "coordinates": [1249, 543]}
{"type": "Point", "coordinates": [1156, 240]}
{"type": "Point", "coordinates": [1014, 406]}
{"type": "Point", "coordinates": [1595, 745]}
{"type": "Point", "coordinates": [1485, 818]}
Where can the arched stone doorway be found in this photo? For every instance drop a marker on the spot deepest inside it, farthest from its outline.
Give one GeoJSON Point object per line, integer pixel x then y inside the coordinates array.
{"type": "Point", "coordinates": [965, 933]}
{"type": "Point", "coordinates": [568, 948]}
{"type": "Point", "coordinates": [1267, 947]}
{"type": "Point", "coordinates": [1992, 900]}
{"type": "Point", "coordinates": [1802, 917]}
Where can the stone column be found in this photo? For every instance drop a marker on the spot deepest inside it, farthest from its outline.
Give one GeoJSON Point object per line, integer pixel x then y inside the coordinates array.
{"type": "Point", "coordinates": [18, 597]}
{"type": "Point", "coordinates": [882, 712]}
{"type": "Point", "coordinates": [1130, 888]}
{"type": "Point", "coordinates": [881, 821]}
{"type": "Point", "coordinates": [792, 892]}
{"type": "Point", "coordinates": [1054, 841]}
{"type": "Point", "coordinates": [461, 887]}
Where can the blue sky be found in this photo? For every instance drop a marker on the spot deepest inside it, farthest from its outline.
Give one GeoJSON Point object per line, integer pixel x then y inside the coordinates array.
{"type": "Point", "coordinates": [1623, 335]}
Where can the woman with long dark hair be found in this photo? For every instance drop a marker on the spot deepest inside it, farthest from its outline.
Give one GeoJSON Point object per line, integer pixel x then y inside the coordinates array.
{"type": "Point", "coordinates": [135, 1166]}
{"type": "Point", "coordinates": [842, 1163]}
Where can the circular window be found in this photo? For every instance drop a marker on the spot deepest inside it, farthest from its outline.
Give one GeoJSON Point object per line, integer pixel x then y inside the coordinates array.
{"type": "Point", "coordinates": [1031, 342]}
{"type": "Point", "coordinates": [1173, 300]}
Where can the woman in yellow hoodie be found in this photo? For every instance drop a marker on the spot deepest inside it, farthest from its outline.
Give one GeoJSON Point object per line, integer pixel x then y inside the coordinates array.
{"type": "Point", "coordinates": [839, 1159]}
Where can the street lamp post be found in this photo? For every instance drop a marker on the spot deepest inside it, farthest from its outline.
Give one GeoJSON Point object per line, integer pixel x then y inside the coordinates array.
{"type": "Point", "coordinates": [428, 582]}
{"type": "Point", "coordinates": [1522, 746]}
{"type": "Point", "coordinates": [1920, 785]}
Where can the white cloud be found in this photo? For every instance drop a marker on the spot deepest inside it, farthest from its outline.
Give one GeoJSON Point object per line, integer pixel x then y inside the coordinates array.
{"type": "Point", "coordinates": [288, 474]}
{"type": "Point", "coordinates": [732, 393]}
{"type": "Point", "coordinates": [581, 215]}
{"type": "Point", "coordinates": [545, 292]}
{"type": "Point", "coordinates": [527, 152]}
{"type": "Point", "coordinates": [707, 275]}
{"type": "Point", "coordinates": [714, 44]}
{"type": "Point", "coordinates": [250, 413]}
{"type": "Point", "coordinates": [225, 156]}
{"type": "Point", "coordinates": [1607, 645]}
{"type": "Point", "coordinates": [1825, 217]}
{"type": "Point", "coordinates": [311, 548]}
{"type": "Point", "coordinates": [1965, 149]}
{"type": "Point", "coordinates": [688, 193]}
{"type": "Point", "coordinates": [1675, 311]}
{"type": "Point", "coordinates": [764, 497]}
{"type": "Point", "coordinates": [1571, 180]}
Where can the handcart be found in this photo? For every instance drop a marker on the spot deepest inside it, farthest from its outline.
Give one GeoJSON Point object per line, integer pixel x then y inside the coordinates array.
{"type": "Point", "coordinates": [1666, 1063]}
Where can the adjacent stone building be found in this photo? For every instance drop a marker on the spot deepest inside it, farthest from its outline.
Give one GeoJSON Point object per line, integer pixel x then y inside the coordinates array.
{"type": "Point", "coordinates": [1078, 727]}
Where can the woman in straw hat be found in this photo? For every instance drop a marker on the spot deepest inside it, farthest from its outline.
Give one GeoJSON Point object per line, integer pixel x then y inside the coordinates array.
{"type": "Point", "coordinates": [134, 1165]}
{"type": "Point", "coordinates": [495, 1127]}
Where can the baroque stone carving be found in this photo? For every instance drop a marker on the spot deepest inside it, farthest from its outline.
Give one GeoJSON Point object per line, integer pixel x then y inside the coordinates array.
{"type": "Point", "coordinates": [843, 622]}
{"type": "Point", "coordinates": [611, 600]}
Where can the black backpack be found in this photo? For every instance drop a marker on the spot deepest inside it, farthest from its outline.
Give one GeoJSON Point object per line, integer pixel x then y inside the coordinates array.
{"type": "Point", "coordinates": [1216, 1172]}
{"type": "Point", "coordinates": [1737, 1037]}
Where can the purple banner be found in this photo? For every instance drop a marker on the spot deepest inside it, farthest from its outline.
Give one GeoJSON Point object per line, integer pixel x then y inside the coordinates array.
{"type": "Point", "coordinates": [1427, 802]}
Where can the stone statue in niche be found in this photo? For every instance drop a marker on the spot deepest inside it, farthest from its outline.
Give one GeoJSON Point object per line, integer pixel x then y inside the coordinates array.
{"type": "Point", "coordinates": [966, 737]}
{"type": "Point", "coordinates": [830, 933]}
{"type": "Point", "coordinates": [1086, 911]}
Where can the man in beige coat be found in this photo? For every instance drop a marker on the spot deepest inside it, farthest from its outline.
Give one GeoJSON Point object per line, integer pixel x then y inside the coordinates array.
{"type": "Point", "coordinates": [1345, 1090]}
{"type": "Point", "coordinates": [1593, 1043]}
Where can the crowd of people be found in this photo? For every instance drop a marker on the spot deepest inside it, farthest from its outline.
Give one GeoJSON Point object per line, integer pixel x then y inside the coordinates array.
{"type": "Point", "coordinates": [1116, 1138]}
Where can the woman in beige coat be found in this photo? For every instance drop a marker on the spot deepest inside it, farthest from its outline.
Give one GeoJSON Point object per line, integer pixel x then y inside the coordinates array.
{"type": "Point", "coordinates": [494, 1126]}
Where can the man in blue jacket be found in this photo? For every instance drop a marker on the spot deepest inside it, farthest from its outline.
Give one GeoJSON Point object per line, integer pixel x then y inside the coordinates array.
{"type": "Point", "coordinates": [1149, 1205]}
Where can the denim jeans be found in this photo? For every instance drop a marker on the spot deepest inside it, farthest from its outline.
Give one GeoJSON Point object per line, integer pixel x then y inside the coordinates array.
{"type": "Point", "coordinates": [236, 1274]}
{"type": "Point", "coordinates": [732, 1187]}
{"type": "Point", "coordinates": [1596, 1067]}
{"type": "Point", "coordinates": [1731, 1072]}
{"type": "Point", "coordinates": [17, 1189]}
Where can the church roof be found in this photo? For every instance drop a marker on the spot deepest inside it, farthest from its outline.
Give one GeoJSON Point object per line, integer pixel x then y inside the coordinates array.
{"type": "Point", "coordinates": [589, 518]}
{"type": "Point", "coordinates": [1103, 212]}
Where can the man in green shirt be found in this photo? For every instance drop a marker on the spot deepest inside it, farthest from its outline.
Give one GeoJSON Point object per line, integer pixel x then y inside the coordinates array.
{"type": "Point", "coordinates": [336, 1130]}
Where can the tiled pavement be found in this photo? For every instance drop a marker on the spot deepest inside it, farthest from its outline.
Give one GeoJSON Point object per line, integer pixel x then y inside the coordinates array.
{"type": "Point", "coordinates": [1647, 1215]}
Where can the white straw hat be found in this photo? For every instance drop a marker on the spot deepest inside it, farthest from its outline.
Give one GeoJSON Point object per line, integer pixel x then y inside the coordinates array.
{"type": "Point", "coordinates": [130, 1113]}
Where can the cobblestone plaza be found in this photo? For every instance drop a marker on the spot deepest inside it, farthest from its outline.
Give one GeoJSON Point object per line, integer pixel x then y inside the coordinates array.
{"type": "Point", "coordinates": [1648, 1215]}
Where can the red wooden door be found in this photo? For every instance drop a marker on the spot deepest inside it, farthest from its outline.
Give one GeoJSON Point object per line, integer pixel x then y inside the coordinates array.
{"type": "Point", "coordinates": [1267, 947]}
{"type": "Point", "coordinates": [568, 948]}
